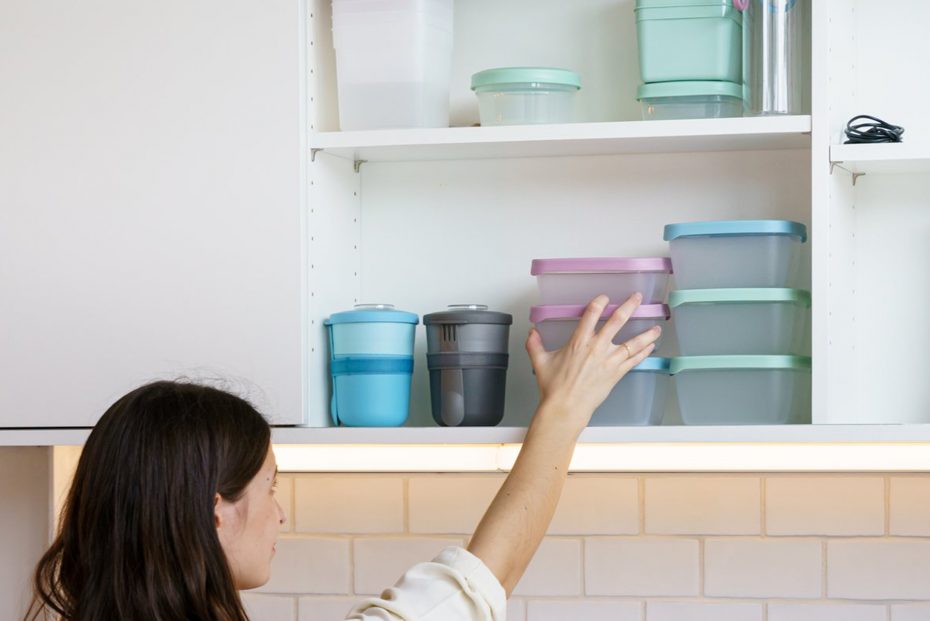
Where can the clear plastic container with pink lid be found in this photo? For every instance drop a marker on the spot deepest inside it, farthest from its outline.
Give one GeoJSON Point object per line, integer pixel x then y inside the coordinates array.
{"type": "Point", "coordinates": [557, 323]}
{"type": "Point", "coordinates": [579, 280]}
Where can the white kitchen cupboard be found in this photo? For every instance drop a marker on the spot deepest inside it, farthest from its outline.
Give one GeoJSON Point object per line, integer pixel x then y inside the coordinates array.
{"type": "Point", "coordinates": [425, 218]}
{"type": "Point", "coordinates": [150, 194]}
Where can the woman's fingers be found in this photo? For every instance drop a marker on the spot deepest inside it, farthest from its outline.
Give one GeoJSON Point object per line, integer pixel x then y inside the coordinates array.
{"type": "Point", "coordinates": [534, 347]}
{"type": "Point", "coordinates": [638, 343]}
{"type": "Point", "coordinates": [638, 357]}
{"type": "Point", "coordinates": [619, 318]}
{"type": "Point", "coordinates": [592, 314]}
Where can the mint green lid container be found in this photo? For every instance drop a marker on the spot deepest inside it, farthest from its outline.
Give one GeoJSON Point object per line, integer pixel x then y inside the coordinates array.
{"type": "Point", "coordinates": [685, 40]}
{"type": "Point", "coordinates": [740, 321]}
{"type": "Point", "coordinates": [690, 100]}
{"type": "Point", "coordinates": [526, 95]}
{"type": "Point", "coordinates": [743, 390]}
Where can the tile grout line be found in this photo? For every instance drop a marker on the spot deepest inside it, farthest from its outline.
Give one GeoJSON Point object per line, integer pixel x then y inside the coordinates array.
{"type": "Point", "coordinates": [887, 484]}
{"type": "Point", "coordinates": [763, 498]}
{"type": "Point", "coordinates": [823, 569]}
{"type": "Point", "coordinates": [405, 492]}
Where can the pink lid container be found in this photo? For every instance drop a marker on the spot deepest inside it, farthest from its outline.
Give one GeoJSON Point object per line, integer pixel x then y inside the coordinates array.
{"type": "Point", "coordinates": [601, 265]}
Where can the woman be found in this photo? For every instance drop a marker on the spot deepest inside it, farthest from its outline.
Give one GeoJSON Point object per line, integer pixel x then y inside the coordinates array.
{"type": "Point", "coordinates": [172, 507]}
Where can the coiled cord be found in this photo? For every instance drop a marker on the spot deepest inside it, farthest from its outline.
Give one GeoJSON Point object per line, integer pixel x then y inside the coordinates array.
{"type": "Point", "coordinates": [872, 131]}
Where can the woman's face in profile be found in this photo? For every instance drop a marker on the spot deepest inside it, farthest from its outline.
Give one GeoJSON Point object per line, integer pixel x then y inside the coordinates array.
{"type": "Point", "coordinates": [248, 528]}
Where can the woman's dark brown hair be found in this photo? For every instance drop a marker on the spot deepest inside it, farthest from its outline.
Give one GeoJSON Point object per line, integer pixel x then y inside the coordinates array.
{"type": "Point", "coordinates": [137, 539]}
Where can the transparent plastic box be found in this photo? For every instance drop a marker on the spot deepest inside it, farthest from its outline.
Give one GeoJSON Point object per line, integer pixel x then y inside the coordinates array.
{"type": "Point", "coordinates": [526, 95]}
{"type": "Point", "coordinates": [578, 281]}
{"type": "Point", "coordinates": [557, 323]}
{"type": "Point", "coordinates": [690, 100]}
{"type": "Point", "coordinates": [393, 62]}
{"type": "Point", "coordinates": [736, 253]}
{"type": "Point", "coordinates": [637, 399]}
{"type": "Point", "coordinates": [743, 390]}
{"type": "Point", "coordinates": [740, 321]}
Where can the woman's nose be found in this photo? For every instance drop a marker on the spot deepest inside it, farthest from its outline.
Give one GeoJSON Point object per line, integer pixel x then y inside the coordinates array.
{"type": "Point", "coordinates": [282, 517]}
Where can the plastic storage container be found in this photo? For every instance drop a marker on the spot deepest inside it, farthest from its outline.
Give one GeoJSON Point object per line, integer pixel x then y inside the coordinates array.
{"type": "Point", "coordinates": [736, 253]}
{"type": "Point", "coordinates": [637, 399]}
{"type": "Point", "coordinates": [526, 95]}
{"type": "Point", "coordinates": [467, 389]}
{"type": "Point", "coordinates": [371, 365]}
{"type": "Point", "coordinates": [740, 321]}
{"type": "Point", "coordinates": [393, 60]}
{"type": "Point", "coordinates": [773, 55]}
{"type": "Point", "coordinates": [556, 324]}
{"type": "Point", "coordinates": [689, 40]}
{"type": "Point", "coordinates": [575, 281]}
{"type": "Point", "coordinates": [743, 390]}
{"type": "Point", "coordinates": [690, 100]}
{"type": "Point", "coordinates": [467, 358]}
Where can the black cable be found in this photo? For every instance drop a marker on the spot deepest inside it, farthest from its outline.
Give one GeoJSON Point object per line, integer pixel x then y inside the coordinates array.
{"type": "Point", "coordinates": [873, 131]}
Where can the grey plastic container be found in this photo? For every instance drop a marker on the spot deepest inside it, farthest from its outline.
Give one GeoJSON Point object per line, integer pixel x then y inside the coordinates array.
{"type": "Point", "coordinates": [740, 321]}
{"type": "Point", "coordinates": [467, 389]}
{"type": "Point", "coordinates": [467, 357]}
{"type": "Point", "coordinates": [743, 390]}
{"type": "Point", "coordinates": [468, 328]}
{"type": "Point", "coordinates": [637, 399]}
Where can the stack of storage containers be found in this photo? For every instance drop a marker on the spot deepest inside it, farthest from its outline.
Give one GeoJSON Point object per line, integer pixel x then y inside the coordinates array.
{"type": "Point", "coordinates": [467, 357]}
{"type": "Point", "coordinates": [690, 55]}
{"type": "Point", "coordinates": [740, 322]}
{"type": "Point", "coordinates": [567, 285]}
{"type": "Point", "coordinates": [371, 365]}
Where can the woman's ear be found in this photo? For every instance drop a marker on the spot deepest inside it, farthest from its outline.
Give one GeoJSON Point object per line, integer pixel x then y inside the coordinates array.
{"type": "Point", "coordinates": [217, 510]}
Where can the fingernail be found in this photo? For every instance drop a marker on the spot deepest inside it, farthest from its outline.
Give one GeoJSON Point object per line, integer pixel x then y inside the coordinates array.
{"type": "Point", "coordinates": [657, 328]}
{"type": "Point", "coordinates": [638, 296]}
{"type": "Point", "coordinates": [602, 299]}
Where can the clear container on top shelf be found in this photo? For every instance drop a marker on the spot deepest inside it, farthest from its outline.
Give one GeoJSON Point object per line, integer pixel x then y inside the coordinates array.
{"type": "Point", "coordinates": [393, 62]}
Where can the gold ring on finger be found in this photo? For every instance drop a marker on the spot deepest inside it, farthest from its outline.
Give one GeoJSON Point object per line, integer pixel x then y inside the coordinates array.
{"type": "Point", "coordinates": [629, 352]}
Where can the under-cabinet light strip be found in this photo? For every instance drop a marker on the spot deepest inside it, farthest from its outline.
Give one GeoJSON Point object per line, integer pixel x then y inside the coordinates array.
{"type": "Point", "coordinates": [631, 457]}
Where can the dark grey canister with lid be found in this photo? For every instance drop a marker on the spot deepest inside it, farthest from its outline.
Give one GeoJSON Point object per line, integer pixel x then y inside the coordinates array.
{"type": "Point", "coordinates": [467, 357]}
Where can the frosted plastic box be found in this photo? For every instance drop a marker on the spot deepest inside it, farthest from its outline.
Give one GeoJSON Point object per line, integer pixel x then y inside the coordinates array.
{"type": "Point", "coordinates": [740, 321]}
{"type": "Point", "coordinates": [637, 399]}
{"type": "Point", "coordinates": [736, 253]}
{"type": "Point", "coordinates": [556, 324]}
{"type": "Point", "coordinates": [578, 281]}
{"type": "Point", "coordinates": [393, 62]}
{"type": "Point", "coordinates": [743, 390]}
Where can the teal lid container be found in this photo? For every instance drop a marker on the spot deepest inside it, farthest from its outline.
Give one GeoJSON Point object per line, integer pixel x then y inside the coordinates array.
{"type": "Point", "coordinates": [685, 40]}
{"type": "Point", "coordinates": [525, 78]}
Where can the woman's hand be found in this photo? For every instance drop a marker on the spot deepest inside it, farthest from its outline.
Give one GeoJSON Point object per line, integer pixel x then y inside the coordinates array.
{"type": "Point", "coordinates": [576, 379]}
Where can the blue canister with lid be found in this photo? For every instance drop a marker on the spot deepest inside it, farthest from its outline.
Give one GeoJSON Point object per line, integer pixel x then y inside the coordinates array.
{"type": "Point", "coordinates": [736, 253]}
{"type": "Point", "coordinates": [371, 364]}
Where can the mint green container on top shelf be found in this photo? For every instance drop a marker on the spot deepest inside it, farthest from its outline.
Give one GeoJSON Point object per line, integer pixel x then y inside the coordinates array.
{"type": "Point", "coordinates": [686, 40]}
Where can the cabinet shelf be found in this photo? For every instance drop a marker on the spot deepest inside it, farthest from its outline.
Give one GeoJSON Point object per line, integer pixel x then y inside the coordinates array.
{"type": "Point", "coordinates": [737, 134]}
{"type": "Point", "coordinates": [748, 434]}
{"type": "Point", "coordinates": [891, 158]}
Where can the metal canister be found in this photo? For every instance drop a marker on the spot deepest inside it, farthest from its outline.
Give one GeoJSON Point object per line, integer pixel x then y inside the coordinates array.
{"type": "Point", "coordinates": [773, 49]}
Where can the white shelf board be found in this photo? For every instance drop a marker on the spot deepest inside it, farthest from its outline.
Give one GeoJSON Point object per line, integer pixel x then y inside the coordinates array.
{"type": "Point", "coordinates": [891, 158]}
{"type": "Point", "coordinates": [735, 134]}
{"type": "Point", "coordinates": [782, 434]}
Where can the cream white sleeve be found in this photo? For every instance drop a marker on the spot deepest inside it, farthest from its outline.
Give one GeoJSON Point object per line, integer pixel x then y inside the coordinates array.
{"type": "Point", "coordinates": [455, 586]}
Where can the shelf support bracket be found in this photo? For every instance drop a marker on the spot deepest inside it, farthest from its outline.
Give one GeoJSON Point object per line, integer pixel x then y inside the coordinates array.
{"type": "Point", "coordinates": [357, 165]}
{"type": "Point", "coordinates": [855, 175]}
{"type": "Point", "coordinates": [313, 153]}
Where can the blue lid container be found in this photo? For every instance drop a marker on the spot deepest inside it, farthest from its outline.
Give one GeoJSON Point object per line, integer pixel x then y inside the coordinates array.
{"type": "Point", "coordinates": [372, 329]}
{"type": "Point", "coordinates": [371, 364]}
{"type": "Point", "coordinates": [733, 228]}
{"type": "Point", "coordinates": [371, 391]}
